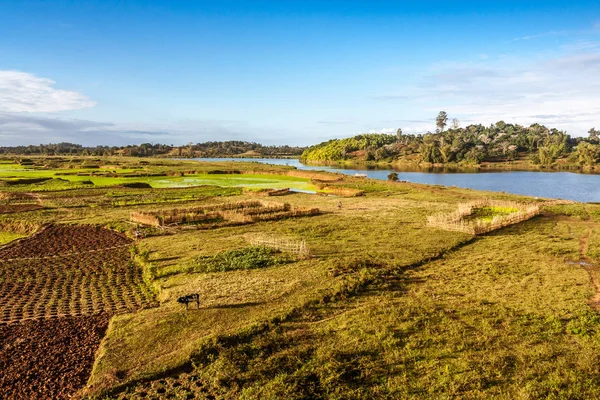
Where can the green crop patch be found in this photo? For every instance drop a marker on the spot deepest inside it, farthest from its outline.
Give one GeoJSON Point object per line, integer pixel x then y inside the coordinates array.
{"type": "Point", "coordinates": [242, 259]}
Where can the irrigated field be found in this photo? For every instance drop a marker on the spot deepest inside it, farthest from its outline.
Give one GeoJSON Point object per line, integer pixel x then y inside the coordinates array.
{"type": "Point", "coordinates": [360, 300]}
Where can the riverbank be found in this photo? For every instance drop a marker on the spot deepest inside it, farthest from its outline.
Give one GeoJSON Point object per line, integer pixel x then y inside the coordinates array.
{"type": "Point", "coordinates": [403, 165]}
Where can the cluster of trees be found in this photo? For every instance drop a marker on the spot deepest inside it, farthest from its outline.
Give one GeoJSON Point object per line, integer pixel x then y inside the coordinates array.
{"type": "Point", "coordinates": [371, 146]}
{"type": "Point", "coordinates": [235, 147]}
{"type": "Point", "coordinates": [207, 149]}
{"type": "Point", "coordinates": [470, 145]}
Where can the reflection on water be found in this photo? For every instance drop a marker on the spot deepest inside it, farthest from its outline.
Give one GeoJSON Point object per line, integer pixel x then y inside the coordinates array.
{"type": "Point", "coordinates": [562, 185]}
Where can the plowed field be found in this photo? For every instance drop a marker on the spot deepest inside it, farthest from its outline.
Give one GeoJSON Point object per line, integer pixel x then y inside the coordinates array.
{"type": "Point", "coordinates": [48, 358]}
{"type": "Point", "coordinates": [58, 289]}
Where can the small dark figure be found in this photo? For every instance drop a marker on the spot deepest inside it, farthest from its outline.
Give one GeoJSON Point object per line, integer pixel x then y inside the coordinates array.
{"type": "Point", "coordinates": [339, 204]}
{"type": "Point", "coordinates": [189, 298]}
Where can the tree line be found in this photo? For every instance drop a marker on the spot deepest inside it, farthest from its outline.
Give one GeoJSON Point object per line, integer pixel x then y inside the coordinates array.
{"type": "Point", "coordinates": [206, 149]}
{"type": "Point", "coordinates": [473, 144]}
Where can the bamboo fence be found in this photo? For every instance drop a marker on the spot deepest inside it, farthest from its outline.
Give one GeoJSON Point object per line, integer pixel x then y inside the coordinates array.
{"type": "Point", "coordinates": [296, 247]}
{"type": "Point", "coordinates": [240, 212]}
{"type": "Point", "coordinates": [455, 221]}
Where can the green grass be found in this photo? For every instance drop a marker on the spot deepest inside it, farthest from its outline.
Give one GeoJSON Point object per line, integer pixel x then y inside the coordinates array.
{"type": "Point", "coordinates": [487, 214]}
{"type": "Point", "coordinates": [6, 237]}
{"type": "Point", "coordinates": [386, 308]}
{"type": "Point", "coordinates": [252, 181]}
{"type": "Point", "coordinates": [497, 318]}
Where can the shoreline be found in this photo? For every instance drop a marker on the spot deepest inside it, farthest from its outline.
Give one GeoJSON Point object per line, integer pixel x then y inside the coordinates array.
{"type": "Point", "coordinates": [453, 167]}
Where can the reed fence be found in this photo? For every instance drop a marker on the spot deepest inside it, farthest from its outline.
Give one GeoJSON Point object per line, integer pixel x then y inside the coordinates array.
{"type": "Point", "coordinates": [232, 213]}
{"type": "Point", "coordinates": [455, 221]}
{"type": "Point", "coordinates": [296, 247]}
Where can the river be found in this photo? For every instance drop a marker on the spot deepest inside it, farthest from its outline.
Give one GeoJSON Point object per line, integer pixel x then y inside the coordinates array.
{"type": "Point", "coordinates": [559, 185]}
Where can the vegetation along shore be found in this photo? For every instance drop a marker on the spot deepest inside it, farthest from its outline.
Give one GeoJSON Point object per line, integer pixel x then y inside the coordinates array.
{"type": "Point", "coordinates": [498, 146]}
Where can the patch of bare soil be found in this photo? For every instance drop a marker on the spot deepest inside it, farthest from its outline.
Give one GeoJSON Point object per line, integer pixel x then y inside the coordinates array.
{"type": "Point", "coordinates": [49, 358]}
{"type": "Point", "coordinates": [58, 290]}
{"type": "Point", "coordinates": [61, 239]}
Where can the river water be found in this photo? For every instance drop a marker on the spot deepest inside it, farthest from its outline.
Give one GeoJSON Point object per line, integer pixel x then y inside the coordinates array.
{"type": "Point", "coordinates": [559, 185]}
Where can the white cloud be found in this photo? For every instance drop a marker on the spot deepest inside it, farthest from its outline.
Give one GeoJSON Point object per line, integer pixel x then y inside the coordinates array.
{"type": "Point", "coordinates": [24, 92]}
{"type": "Point", "coordinates": [383, 130]}
{"type": "Point", "coordinates": [561, 90]}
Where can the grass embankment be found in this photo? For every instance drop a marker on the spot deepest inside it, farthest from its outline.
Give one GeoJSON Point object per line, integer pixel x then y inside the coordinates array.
{"type": "Point", "coordinates": [6, 237]}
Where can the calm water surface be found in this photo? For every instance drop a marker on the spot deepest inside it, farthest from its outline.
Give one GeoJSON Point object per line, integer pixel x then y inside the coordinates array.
{"type": "Point", "coordinates": [560, 185]}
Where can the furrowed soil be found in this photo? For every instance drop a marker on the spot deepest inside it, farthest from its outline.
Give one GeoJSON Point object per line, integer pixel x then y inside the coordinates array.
{"type": "Point", "coordinates": [59, 239]}
{"type": "Point", "coordinates": [48, 358]}
{"type": "Point", "coordinates": [69, 270]}
{"type": "Point", "coordinates": [58, 290]}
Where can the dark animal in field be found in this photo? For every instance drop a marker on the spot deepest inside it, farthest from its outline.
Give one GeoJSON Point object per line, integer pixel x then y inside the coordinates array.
{"type": "Point", "coordinates": [189, 298]}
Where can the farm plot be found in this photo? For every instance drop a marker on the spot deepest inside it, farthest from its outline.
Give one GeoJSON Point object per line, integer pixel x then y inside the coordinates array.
{"type": "Point", "coordinates": [58, 290]}
{"type": "Point", "coordinates": [18, 202]}
{"type": "Point", "coordinates": [243, 212]}
{"type": "Point", "coordinates": [58, 240]}
{"type": "Point", "coordinates": [15, 208]}
{"type": "Point", "coordinates": [69, 270]}
{"type": "Point", "coordinates": [483, 216]}
{"type": "Point", "coordinates": [48, 358]}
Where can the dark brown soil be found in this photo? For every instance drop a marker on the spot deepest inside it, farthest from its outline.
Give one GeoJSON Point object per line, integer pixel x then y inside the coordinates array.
{"type": "Point", "coordinates": [58, 290]}
{"type": "Point", "coordinates": [48, 358]}
{"type": "Point", "coordinates": [70, 283]}
{"type": "Point", "coordinates": [15, 208]}
{"type": "Point", "coordinates": [61, 239]}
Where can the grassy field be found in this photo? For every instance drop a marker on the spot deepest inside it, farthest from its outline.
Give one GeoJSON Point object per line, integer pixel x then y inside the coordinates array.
{"type": "Point", "coordinates": [385, 307]}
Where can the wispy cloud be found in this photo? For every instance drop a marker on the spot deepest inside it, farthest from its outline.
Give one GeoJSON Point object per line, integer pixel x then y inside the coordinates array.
{"type": "Point", "coordinates": [28, 128]}
{"type": "Point", "coordinates": [540, 35]}
{"type": "Point", "coordinates": [562, 90]}
{"type": "Point", "coordinates": [28, 101]}
{"type": "Point", "coordinates": [336, 122]}
{"type": "Point", "coordinates": [24, 92]}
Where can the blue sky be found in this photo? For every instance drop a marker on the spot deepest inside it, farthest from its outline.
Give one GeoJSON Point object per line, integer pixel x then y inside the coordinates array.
{"type": "Point", "coordinates": [290, 72]}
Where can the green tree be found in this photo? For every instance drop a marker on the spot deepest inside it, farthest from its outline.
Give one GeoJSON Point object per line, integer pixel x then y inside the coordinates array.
{"type": "Point", "coordinates": [381, 153]}
{"type": "Point", "coordinates": [441, 121]}
{"type": "Point", "coordinates": [392, 176]}
{"type": "Point", "coordinates": [399, 134]}
{"type": "Point", "coordinates": [588, 153]}
{"type": "Point", "coordinates": [594, 135]}
{"type": "Point", "coordinates": [446, 152]}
